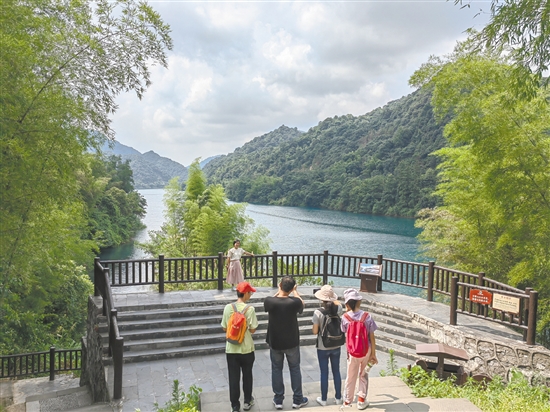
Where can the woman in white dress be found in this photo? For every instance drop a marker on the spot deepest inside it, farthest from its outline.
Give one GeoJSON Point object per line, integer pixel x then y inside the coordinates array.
{"type": "Point", "coordinates": [233, 264]}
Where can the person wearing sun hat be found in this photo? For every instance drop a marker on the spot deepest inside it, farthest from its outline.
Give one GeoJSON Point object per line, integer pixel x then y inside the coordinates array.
{"type": "Point", "coordinates": [356, 368]}
{"type": "Point", "coordinates": [240, 357]}
{"type": "Point", "coordinates": [329, 306]}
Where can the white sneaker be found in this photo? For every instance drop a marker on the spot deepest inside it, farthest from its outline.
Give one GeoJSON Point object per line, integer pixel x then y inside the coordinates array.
{"type": "Point", "coordinates": [345, 406]}
{"type": "Point", "coordinates": [338, 401]}
{"type": "Point", "coordinates": [362, 405]}
{"type": "Point", "coordinates": [321, 402]}
{"type": "Point", "coordinates": [277, 405]}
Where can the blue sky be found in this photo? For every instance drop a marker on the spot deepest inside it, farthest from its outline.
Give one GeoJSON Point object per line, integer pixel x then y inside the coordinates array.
{"type": "Point", "coordinates": [241, 69]}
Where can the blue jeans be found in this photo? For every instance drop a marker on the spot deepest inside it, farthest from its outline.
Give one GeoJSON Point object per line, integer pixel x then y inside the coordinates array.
{"type": "Point", "coordinates": [293, 360]}
{"type": "Point", "coordinates": [323, 356]}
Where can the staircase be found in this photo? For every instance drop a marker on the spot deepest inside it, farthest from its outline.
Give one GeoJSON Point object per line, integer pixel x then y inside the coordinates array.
{"type": "Point", "coordinates": [173, 330]}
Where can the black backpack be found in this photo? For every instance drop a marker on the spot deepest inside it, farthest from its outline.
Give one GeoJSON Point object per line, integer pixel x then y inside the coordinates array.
{"type": "Point", "coordinates": [330, 331]}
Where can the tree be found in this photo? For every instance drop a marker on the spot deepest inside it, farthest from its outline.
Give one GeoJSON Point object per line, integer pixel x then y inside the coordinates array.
{"type": "Point", "coordinates": [62, 64]}
{"type": "Point", "coordinates": [521, 28]}
{"type": "Point", "coordinates": [200, 222]}
{"type": "Point", "coordinates": [495, 175]}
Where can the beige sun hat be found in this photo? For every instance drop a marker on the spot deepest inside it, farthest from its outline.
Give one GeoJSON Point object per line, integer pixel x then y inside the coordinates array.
{"type": "Point", "coordinates": [326, 294]}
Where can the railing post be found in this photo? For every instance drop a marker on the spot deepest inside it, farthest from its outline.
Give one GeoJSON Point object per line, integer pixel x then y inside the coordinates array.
{"type": "Point", "coordinates": [97, 275]}
{"type": "Point", "coordinates": [454, 299]}
{"type": "Point", "coordinates": [105, 279]}
{"type": "Point", "coordinates": [52, 363]}
{"type": "Point", "coordinates": [275, 269]}
{"type": "Point", "coordinates": [325, 267]}
{"type": "Point", "coordinates": [379, 262]}
{"type": "Point", "coordinates": [430, 296]}
{"type": "Point", "coordinates": [481, 282]}
{"type": "Point", "coordinates": [112, 336]}
{"type": "Point", "coordinates": [220, 271]}
{"type": "Point", "coordinates": [532, 325]}
{"type": "Point", "coordinates": [161, 273]}
{"type": "Point", "coordinates": [118, 365]}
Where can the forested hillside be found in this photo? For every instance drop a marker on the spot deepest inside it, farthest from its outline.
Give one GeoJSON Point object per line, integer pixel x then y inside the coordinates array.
{"type": "Point", "coordinates": [377, 163]}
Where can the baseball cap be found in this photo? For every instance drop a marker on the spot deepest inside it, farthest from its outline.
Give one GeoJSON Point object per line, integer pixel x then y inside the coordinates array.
{"type": "Point", "coordinates": [244, 287]}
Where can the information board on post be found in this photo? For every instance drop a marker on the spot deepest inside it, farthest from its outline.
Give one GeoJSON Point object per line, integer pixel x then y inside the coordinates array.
{"type": "Point", "coordinates": [506, 303]}
{"type": "Point", "coordinates": [369, 269]}
{"type": "Point", "coordinates": [483, 297]}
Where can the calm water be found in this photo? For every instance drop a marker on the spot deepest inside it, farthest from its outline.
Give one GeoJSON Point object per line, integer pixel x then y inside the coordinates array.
{"type": "Point", "coordinates": [303, 230]}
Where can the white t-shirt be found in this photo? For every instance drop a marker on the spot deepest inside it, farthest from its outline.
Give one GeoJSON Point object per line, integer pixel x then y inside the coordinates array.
{"type": "Point", "coordinates": [235, 254]}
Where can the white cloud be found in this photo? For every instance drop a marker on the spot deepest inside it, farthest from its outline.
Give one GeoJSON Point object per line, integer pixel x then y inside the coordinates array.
{"type": "Point", "coordinates": [239, 70]}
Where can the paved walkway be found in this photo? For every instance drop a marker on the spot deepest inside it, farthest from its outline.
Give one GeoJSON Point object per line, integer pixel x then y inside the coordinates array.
{"type": "Point", "coordinates": [148, 383]}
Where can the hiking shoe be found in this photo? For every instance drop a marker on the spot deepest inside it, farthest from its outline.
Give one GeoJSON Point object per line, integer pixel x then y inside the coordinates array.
{"type": "Point", "coordinates": [248, 405]}
{"type": "Point", "coordinates": [299, 405]}
{"type": "Point", "coordinates": [321, 402]}
{"type": "Point", "coordinates": [362, 405]}
{"type": "Point", "coordinates": [235, 409]}
{"type": "Point", "coordinates": [277, 405]}
{"type": "Point", "coordinates": [338, 401]}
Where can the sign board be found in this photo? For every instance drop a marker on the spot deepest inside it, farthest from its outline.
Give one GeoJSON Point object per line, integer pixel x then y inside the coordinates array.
{"type": "Point", "coordinates": [481, 296]}
{"type": "Point", "coordinates": [369, 269]}
{"type": "Point", "coordinates": [506, 303]}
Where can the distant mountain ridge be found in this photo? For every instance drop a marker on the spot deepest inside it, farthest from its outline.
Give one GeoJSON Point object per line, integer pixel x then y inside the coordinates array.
{"type": "Point", "coordinates": [151, 171]}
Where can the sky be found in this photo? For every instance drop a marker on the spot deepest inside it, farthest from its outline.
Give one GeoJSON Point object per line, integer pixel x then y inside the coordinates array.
{"type": "Point", "coordinates": [239, 70]}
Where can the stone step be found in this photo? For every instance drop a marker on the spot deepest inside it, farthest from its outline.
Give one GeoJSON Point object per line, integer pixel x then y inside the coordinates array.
{"type": "Point", "coordinates": [167, 330]}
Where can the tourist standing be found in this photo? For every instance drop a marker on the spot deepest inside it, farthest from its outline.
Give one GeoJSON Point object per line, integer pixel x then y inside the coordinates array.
{"type": "Point", "coordinates": [283, 338]}
{"type": "Point", "coordinates": [233, 264]}
{"type": "Point", "coordinates": [240, 357]}
{"type": "Point", "coordinates": [356, 365]}
{"type": "Point", "coordinates": [330, 306]}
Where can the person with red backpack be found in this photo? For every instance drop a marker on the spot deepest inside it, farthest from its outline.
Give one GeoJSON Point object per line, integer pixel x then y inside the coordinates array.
{"type": "Point", "coordinates": [239, 349]}
{"type": "Point", "coordinates": [361, 346]}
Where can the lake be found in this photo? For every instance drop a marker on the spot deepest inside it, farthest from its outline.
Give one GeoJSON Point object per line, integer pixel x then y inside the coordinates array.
{"type": "Point", "coordinates": [303, 230]}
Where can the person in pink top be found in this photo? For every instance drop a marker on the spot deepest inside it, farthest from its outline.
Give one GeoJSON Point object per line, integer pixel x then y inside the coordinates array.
{"type": "Point", "coordinates": [357, 365]}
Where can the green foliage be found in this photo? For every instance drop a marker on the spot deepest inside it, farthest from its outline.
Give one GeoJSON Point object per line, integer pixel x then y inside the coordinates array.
{"type": "Point", "coordinates": [115, 209]}
{"type": "Point", "coordinates": [62, 65]}
{"type": "Point", "coordinates": [200, 222]}
{"type": "Point", "coordinates": [517, 395]}
{"type": "Point", "coordinates": [494, 176]}
{"type": "Point", "coordinates": [182, 401]}
{"type": "Point", "coordinates": [377, 163]}
{"type": "Point", "coordinates": [520, 29]}
{"type": "Point", "coordinates": [391, 366]}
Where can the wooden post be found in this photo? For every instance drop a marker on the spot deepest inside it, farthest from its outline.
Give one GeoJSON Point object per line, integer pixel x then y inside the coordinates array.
{"type": "Point", "coordinates": [161, 273]}
{"type": "Point", "coordinates": [118, 360]}
{"type": "Point", "coordinates": [532, 323]}
{"type": "Point", "coordinates": [275, 269]}
{"type": "Point", "coordinates": [526, 318]}
{"type": "Point", "coordinates": [97, 275]}
{"type": "Point", "coordinates": [325, 267]}
{"type": "Point", "coordinates": [52, 363]}
{"type": "Point", "coordinates": [481, 309]}
{"type": "Point", "coordinates": [105, 297]}
{"type": "Point", "coordinates": [431, 265]}
{"type": "Point", "coordinates": [220, 271]}
{"type": "Point", "coordinates": [454, 299]}
{"type": "Point", "coordinates": [379, 262]}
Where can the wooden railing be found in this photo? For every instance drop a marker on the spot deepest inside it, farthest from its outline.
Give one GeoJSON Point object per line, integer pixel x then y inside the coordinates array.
{"type": "Point", "coordinates": [40, 363]}
{"type": "Point", "coordinates": [102, 287]}
{"type": "Point", "coordinates": [434, 279]}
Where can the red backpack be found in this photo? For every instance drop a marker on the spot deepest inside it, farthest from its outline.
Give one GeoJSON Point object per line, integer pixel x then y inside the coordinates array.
{"type": "Point", "coordinates": [357, 338]}
{"type": "Point", "coordinates": [236, 325]}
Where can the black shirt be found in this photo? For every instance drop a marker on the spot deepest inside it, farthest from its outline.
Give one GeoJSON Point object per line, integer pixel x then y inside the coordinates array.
{"type": "Point", "coordinates": [282, 327]}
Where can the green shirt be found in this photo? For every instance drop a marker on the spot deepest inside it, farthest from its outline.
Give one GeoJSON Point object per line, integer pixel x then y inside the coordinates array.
{"type": "Point", "coordinates": [247, 344]}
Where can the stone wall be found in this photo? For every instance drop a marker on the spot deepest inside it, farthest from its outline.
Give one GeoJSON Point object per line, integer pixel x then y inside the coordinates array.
{"type": "Point", "coordinates": [93, 370]}
{"type": "Point", "coordinates": [492, 356]}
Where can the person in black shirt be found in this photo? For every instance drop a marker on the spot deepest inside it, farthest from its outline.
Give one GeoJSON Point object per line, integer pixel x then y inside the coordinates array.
{"type": "Point", "coordinates": [283, 338]}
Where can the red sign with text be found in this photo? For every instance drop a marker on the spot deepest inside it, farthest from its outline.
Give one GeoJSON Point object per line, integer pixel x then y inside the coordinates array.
{"type": "Point", "coordinates": [481, 296]}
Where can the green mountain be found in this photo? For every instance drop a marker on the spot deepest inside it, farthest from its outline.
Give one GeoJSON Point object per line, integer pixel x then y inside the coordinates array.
{"type": "Point", "coordinates": [376, 163]}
